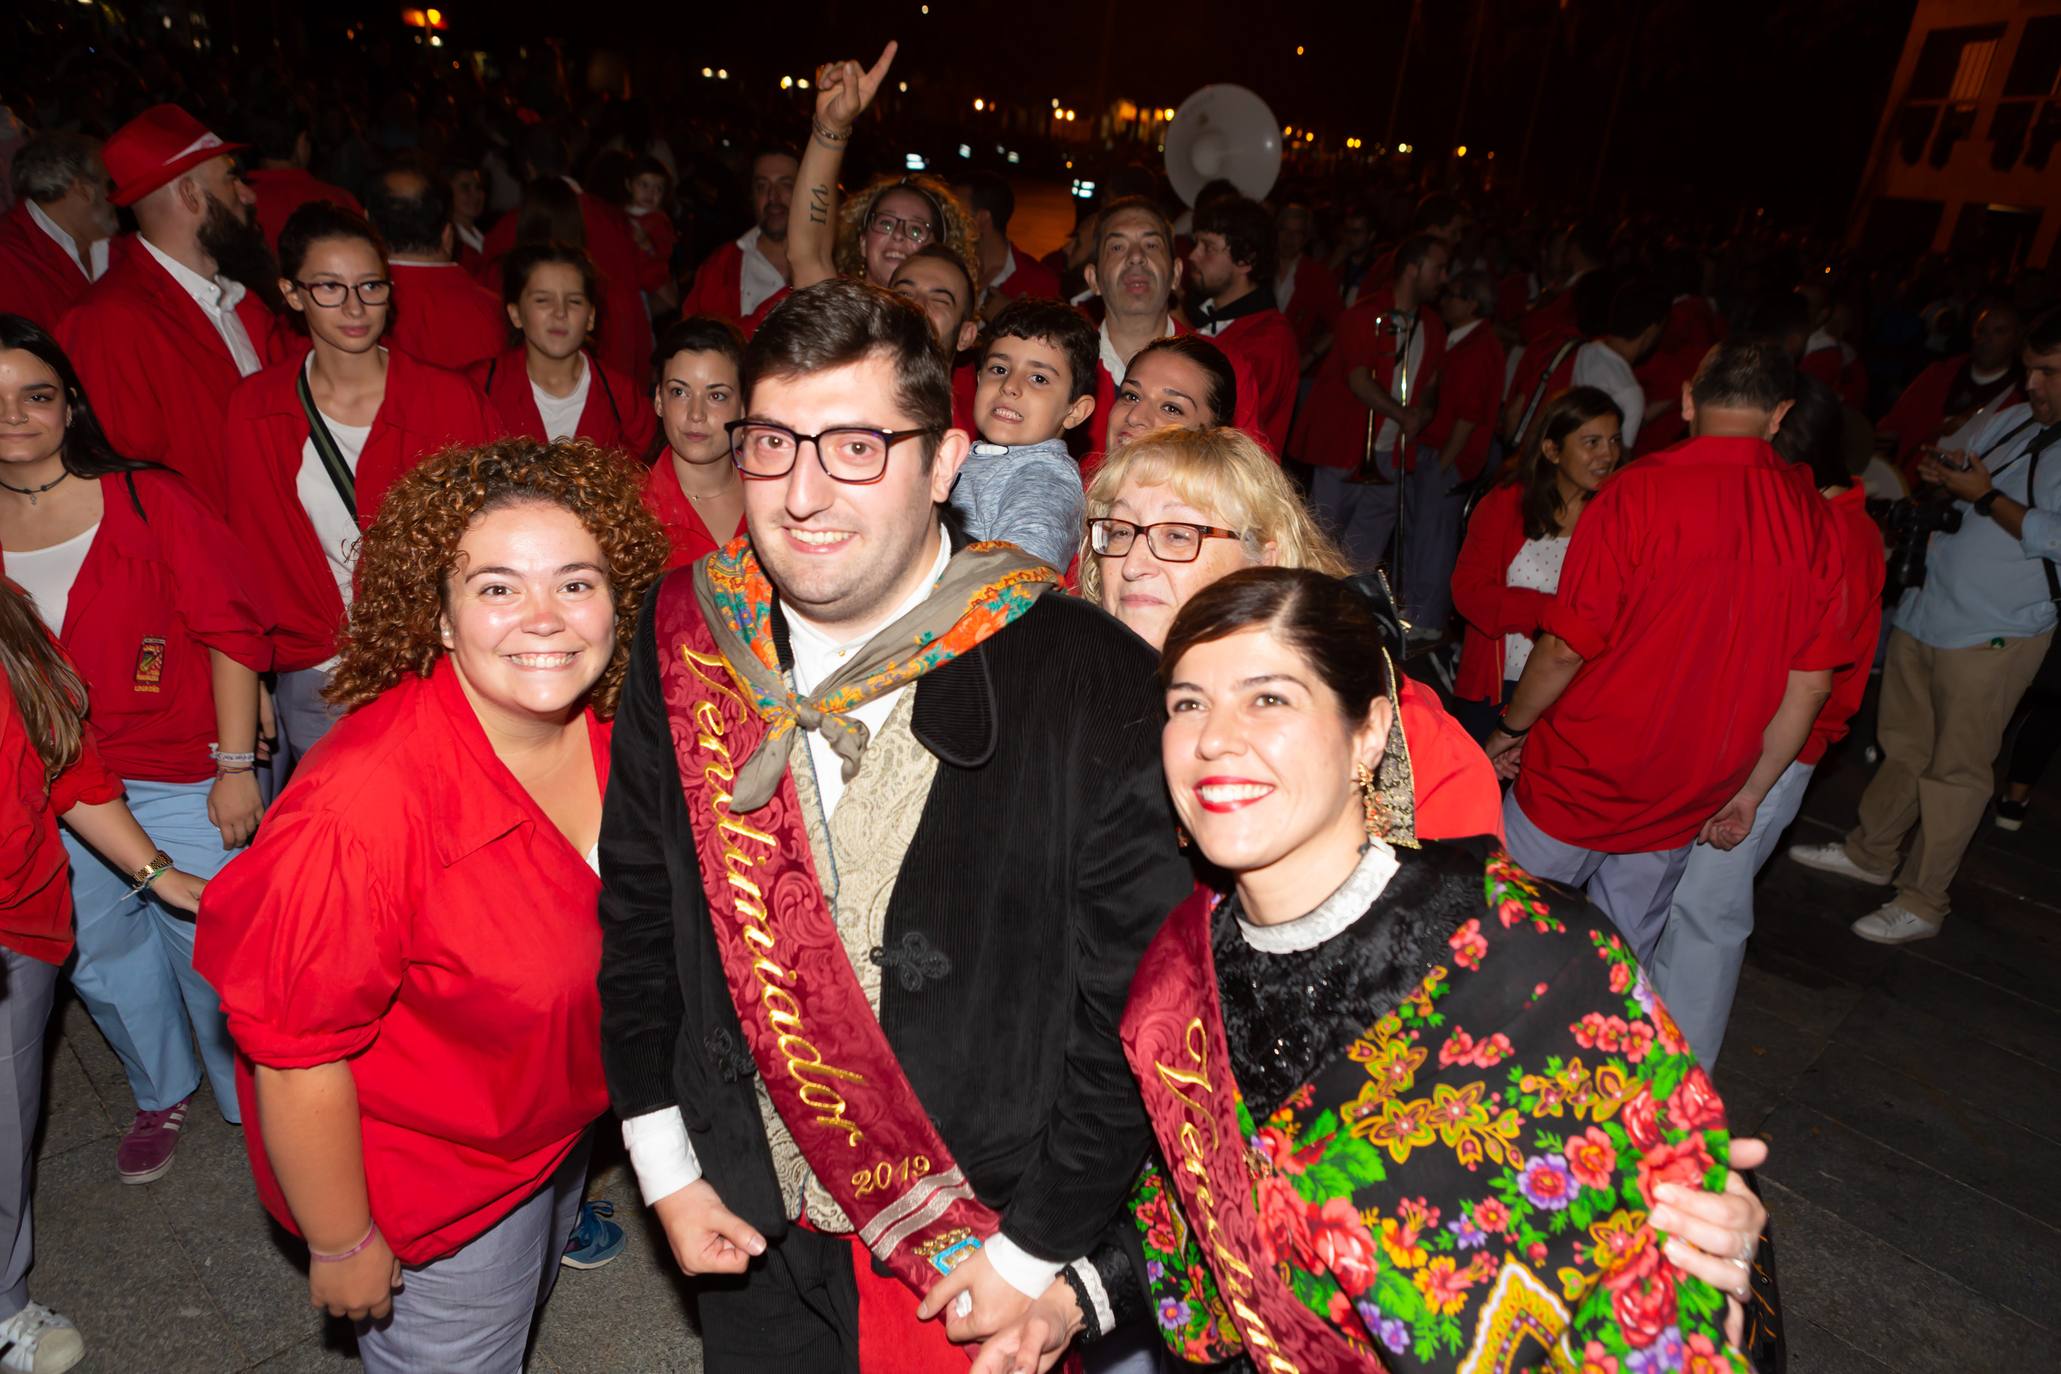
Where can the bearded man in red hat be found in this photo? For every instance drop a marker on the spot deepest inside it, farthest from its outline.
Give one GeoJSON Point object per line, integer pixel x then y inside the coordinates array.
{"type": "Point", "coordinates": [161, 340]}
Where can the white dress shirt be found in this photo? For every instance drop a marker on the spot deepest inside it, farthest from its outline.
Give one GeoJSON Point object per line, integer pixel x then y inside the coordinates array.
{"type": "Point", "coordinates": [97, 253]}
{"type": "Point", "coordinates": [217, 297]}
{"type": "Point", "coordinates": [758, 279]}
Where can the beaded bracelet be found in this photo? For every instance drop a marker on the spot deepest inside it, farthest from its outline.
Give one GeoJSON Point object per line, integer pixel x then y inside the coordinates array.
{"type": "Point", "coordinates": [822, 131]}
{"type": "Point", "coordinates": [245, 757]}
{"type": "Point", "coordinates": [363, 1241]}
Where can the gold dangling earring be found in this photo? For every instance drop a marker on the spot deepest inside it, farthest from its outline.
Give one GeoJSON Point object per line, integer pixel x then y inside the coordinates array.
{"type": "Point", "coordinates": [1370, 801]}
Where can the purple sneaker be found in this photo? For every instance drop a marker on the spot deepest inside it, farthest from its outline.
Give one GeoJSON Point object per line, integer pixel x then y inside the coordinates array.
{"type": "Point", "coordinates": [146, 1151]}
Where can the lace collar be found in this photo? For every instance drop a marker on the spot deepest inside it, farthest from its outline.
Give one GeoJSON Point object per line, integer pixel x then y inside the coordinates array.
{"type": "Point", "coordinates": [1353, 899]}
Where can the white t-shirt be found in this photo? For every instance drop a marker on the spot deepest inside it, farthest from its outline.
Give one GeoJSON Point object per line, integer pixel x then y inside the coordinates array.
{"type": "Point", "coordinates": [47, 575]}
{"type": "Point", "coordinates": [1537, 566]}
{"type": "Point", "coordinates": [562, 413]}
{"type": "Point", "coordinates": [1597, 364]}
{"type": "Point", "coordinates": [335, 530]}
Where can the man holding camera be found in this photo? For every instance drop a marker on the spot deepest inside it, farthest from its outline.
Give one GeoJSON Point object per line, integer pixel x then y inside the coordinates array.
{"type": "Point", "coordinates": [1963, 647]}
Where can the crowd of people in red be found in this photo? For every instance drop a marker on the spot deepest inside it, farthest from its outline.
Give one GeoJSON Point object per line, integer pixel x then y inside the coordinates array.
{"type": "Point", "coordinates": [368, 543]}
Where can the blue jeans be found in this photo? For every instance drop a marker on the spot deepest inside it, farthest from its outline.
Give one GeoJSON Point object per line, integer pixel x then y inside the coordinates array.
{"type": "Point", "coordinates": [1695, 967]}
{"type": "Point", "coordinates": [134, 969]}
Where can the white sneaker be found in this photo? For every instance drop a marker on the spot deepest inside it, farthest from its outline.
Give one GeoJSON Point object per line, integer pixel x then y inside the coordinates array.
{"type": "Point", "coordinates": [1831, 858]}
{"type": "Point", "coordinates": [36, 1340]}
{"type": "Point", "coordinates": [1890, 924]}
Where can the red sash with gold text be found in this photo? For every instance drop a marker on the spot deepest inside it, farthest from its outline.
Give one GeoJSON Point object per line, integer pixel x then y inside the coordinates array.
{"type": "Point", "coordinates": [1173, 1034]}
{"type": "Point", "coordinates": [832, 1075]}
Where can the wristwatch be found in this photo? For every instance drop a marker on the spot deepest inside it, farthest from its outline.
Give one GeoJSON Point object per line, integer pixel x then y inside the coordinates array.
{"type": "Point", "coordinates": [1983, 502]}
{"type": "Point", "coordinates": [160, 864]}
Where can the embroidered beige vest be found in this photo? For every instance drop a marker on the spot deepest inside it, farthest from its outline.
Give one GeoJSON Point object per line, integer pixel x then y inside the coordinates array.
{"type": "Point", "coordinates": [858, 856]}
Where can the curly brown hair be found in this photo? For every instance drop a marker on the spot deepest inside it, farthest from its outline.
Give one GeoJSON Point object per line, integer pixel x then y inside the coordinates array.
{"type": "Point", "coordinates": [954, 230]}
{"type": "Point", "coordinates": [412, 548]}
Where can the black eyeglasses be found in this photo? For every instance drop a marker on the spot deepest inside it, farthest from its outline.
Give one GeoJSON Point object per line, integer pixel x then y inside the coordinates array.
{"type": "Point", "coordinates": [916, 231]}
{"type": "Point", "coordinates": [850, 453]}
{"type": "Point", "coordinates": [330, 294]}
{"type": "Point", "coordinates": [1171, 541]}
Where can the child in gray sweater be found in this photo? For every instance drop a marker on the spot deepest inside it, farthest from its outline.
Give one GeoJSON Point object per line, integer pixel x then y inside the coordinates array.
{"type": "Point", "coordinates": [1036, 381]}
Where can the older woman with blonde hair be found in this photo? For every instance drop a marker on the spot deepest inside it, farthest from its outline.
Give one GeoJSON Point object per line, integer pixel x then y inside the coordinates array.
{"type": "Point", "coordinates": [1174, 510]}
{"type": "Point", "coordinates": [408, 955]}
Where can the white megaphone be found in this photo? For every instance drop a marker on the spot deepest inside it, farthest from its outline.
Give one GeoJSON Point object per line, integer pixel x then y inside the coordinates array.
{"type": "Point", "coordinates": [1223, 132]}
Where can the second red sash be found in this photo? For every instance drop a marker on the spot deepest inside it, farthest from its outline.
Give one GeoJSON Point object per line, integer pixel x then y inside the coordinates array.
{"type": "Point", "coordinates": [1173, 1034]}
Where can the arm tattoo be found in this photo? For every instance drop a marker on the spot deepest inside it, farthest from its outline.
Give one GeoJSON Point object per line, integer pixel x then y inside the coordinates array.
{"type": "Point", "coordinates": [819, 204]}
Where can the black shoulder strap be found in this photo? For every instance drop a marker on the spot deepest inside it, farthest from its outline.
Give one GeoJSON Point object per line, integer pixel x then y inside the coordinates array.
{"type": "Point", "coordinates": [1538, 391]}
{"type": "Point", "coordinates": [2033, 452]}
{"type": "Point", "coordinates": [129, 481]}
{"type": "Point", "coordinates": [340, 474]}
{"type": "Point", "coordinates": [493, 366]}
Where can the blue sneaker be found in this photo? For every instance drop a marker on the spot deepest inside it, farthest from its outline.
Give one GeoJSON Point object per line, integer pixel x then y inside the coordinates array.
{"type": "Point", "coordinates": [596, 1240]}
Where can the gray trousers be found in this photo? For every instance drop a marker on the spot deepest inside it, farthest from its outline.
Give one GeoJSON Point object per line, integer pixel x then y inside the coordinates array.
{"type": "Point", "coordinates": [471, 1312]}
{"type": "Point", "coordinates": [1360, 516]}
{"type": "Point", "coordinates": [304, 718]}
{"type": "Point", "coordinates": [24, 1016]}
{"type": "Point", "coordinates": [1633, 890]}
{"type": "Point", "coordinates": [1695, 967]}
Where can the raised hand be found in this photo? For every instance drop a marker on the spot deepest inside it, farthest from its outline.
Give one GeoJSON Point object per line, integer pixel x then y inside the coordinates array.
{"type": "Point", "coordinates": [844, 91]}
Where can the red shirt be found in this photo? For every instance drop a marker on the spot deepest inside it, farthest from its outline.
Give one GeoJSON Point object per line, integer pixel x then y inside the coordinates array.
{"type": "Point", "coordinates": [689, 537]}
{"type": "Point", "coordinates": [409, 910]}
{"type": "Point", "coordinates": [283, 190]}
{"type": "Point", "coordinates": [1483, 596]}
{"type": "Point", "coordinates": [965, 391]}
{"type": "Point", "coordinates": [658, 228]}
{"type": "Point", "coordinates": [1315, 304]}
{"type": "Point", "coordinates": [1029, 279]}
{"type": "Point", "coordinates": [617, 415]}
{"type": "Point", "coordinates": [1691, 326]}
{"type": "Point", "coordinates": [1265, 342]}
{"type": "Point", "coordinates": [157, 372]}
{"type": "Point", "coordinates": [38, 279]}
{"type": "Point", "coordinates": [1920, 413]}
{"type": "Point", "coordinates": [443, 317]}
{"type": "Point", "coordinates": [1331, 430]}
{"type": "Point", "coordinates": [1860, 557]}
{"type": "Point", "coordinates": [1697, 580]}
{"type": "Point", "coordinates": [425, 408]}
{"type": "Point", "coordinates": [623, 338]}
{"type": "Point", "coordinates": [1470, 387]}
{"type": "Point", "coordinates": [1452, 782]}
{"type": "Point", "coordinates": [718, 288]}
{"type": "Point", "coordinates": [1553, 357]}
{"type": "Point", "coordinates": [35, 899]}
{"type": "Point", "coordinates": [158, 590]}
{"type": "Point", "coordinates": [1832, 365]}
{"type": "Point", "coordinates": [1552, 314]}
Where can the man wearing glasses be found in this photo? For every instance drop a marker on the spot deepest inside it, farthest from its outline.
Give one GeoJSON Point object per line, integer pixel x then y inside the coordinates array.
{"type": "Point", "coordinates": [884, 839]}
{"type": "Point", "coordinates": [163, 338]}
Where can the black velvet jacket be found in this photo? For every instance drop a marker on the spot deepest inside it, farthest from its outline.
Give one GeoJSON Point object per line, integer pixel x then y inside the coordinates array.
{"type": "Point", "coordinates": [1042, 865]}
